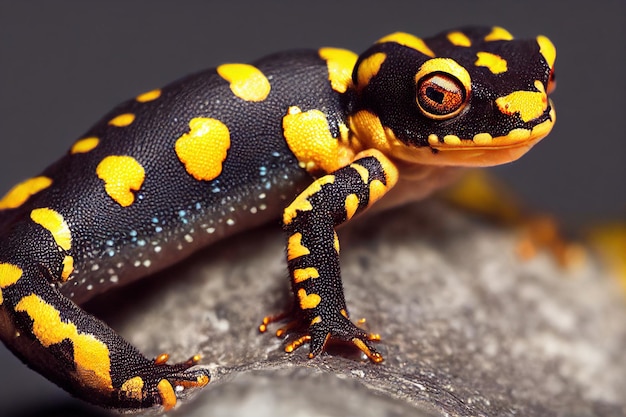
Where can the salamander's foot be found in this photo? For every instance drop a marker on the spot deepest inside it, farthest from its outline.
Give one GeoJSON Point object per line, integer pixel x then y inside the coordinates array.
{"type": "Point", "coordinates": [163, 384]}
{"type": "Point", "coordinates": [321, 332]}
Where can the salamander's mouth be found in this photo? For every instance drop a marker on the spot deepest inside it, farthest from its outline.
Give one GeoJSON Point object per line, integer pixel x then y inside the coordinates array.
{"type": "Point", "coordinates": [485, 150]}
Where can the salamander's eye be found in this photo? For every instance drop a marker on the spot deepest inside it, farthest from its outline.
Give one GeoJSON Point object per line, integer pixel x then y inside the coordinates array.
{"type": "Point", "coordinates": [440, 95]}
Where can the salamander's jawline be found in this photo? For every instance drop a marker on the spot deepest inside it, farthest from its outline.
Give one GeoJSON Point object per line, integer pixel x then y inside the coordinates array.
{"type": "Point", "coordinates": [468, 153]}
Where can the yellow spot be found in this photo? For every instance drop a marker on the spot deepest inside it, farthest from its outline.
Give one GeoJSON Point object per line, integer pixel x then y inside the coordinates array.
{"type": "Point", "coordinates": [246, 81]}
{"type": "Point", "coordinates": [301, 202]}
{"type": "Point", "coordinates": [351, 204]}
{"type": "Point", "coordinates": [204, 149]}
{"type": "Point", "coordinates": [498, 34]}
{"type": "Point", "coordinates": [148, 96]}
{"type": "Point", "coordinates": [300, 275]}
{"type": "Point", "coordinates": [295, 249]}
{"type": "Point", "coordinates": [122, 120]}
{"type": "Point", "coordinates": [377, 188]}
{"type": "Point", "coordinates": [308, 137]}
{"type": "Point", "coordinates": [363, 172]}
{"type": "Point", "coordinates": [336, 242]}
{"type": "Point", "coordinates": [133, 388]}
{"type": "Point", "coordinates": [168, 397]}
{"type": "Point", "coordinates": [68, 267]}
{"type": "Point", "coordinates": [459, 39]}
{"type": "Point", "coordinates": [547, 49]}
{"type": "Point", "coordinates": [482, 139]}
{"type": "Point", "coordinates": [9, 275]}
{"type": "Point", "coordinates": [85, 145]}
{"type": "Point", "coordinates": [451, 140]}
{"type": "Point", "coordinates": [55, 224]}
{"type": "Point", "coordinates": [121, 175]}
{"type": "Point", "coordinates": [91, 356]}
{"type": "Point", "coordinates": [23, 191]}
{"type": "Point", "coordinates": [409, 40]}
{"type": "Point", "coordinates": [316, 319]}
{"type": "Point", "coordinates": [529, 104]}
{"type": "Point", "coordinates": [369, 67]}
{"type": "Point", "coordinates": [495, 63]}
{"type": "Point", "coordinates": [340, 64]}
{"type": "Point", "coordinates": [308, 301]}
{"type": "Point", "coordinates": [344, 313]}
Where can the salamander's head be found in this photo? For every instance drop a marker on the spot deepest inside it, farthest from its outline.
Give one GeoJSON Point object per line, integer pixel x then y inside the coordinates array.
{"type": "Point", "coordinates": [469, 97]}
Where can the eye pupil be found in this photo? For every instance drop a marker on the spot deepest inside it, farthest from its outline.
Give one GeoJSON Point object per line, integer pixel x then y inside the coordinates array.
{"type": "Point", "coordinates": [434, 95]}
{"type": "Point", "coordinates": [440, 95]}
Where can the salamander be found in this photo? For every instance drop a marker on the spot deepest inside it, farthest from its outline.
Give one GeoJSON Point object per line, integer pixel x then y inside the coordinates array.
{"type": "Point", "coordinates": [309, 137]}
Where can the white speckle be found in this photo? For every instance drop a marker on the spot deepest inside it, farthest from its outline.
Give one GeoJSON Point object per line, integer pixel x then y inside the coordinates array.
{"type": "Point", "coordinates": [358, 373]}
{"type": "Point", "coordinates": [120, 264]}
{"type": "Point", "coordinates": [147, 263]}
{"type": "Point", "coordinates": [262, 196]}
{"type": "Point", "coordinates": [262, 207]}
{"type": "Point", "coordinates": [110, 271]}
{"type": "Point", "coordinates": [157, 249]}
{"type": "Point", "coordinates": [253, 210]}
{"type": "Point", "coordinates": [179, 247]}
{"type": "Point", "coordinates": [95, 267]}
{"type": "Point", "coordinates": [230, 222]}
{"type": "Point", "coordinates": [137, 263]}
{"type": "Point", "coordinates": [113, 279]}
{"type": "Point", "coordinates": [210, 230]}
{"type": "Point", "coordinates": [89, 287]}
{"type": "Point", "coordinates": [101, 281]}
{"type": "Point", "coordinates": [188, 238]}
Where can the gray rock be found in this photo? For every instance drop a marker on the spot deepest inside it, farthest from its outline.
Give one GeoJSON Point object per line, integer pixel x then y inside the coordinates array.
{"type": "Point", "coordinates": [467, 329]}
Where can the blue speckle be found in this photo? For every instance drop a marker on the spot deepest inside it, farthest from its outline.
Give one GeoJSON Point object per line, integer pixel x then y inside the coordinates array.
{"type": "Point", "coordinates": [155, 220]}
{"type": "Point", "coordinates": [198, 206]}
{"type": "Point", "coordinates": [275, 154]}
{"type": "Point", "coordinates": [182, 213]}
{"type": "Point", "coordinates": [158, 229]}
{"type": "Point", "coordinates": [133, 233]}
{"type": "Point", "coordinates": [141, 242]}
{"type": "Point", "coordinates": [216, 190]}
{"type": "Point", "coordinates": [268, 185]}
{"type": "Point", "coordinates": [109, 243]}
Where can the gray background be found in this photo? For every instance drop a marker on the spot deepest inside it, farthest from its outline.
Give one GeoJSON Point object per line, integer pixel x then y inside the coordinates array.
{"type": "Point", "coordinates": [64, 63]}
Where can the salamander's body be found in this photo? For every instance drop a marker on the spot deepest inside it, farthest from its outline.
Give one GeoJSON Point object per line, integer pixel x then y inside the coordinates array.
{"type": "Point", "coordinates": [311, 137]}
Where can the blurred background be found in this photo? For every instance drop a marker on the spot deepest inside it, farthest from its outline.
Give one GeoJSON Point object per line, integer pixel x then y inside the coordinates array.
{"type": "Point", "coordinates": [63, 64]}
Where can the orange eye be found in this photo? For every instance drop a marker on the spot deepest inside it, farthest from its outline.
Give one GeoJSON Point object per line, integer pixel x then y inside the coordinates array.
{"type": "Point", "coordinates": [440, 96]}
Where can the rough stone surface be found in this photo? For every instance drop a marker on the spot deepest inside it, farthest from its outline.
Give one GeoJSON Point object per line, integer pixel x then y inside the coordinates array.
{"type": "Point", "coordinates": [467, 329]}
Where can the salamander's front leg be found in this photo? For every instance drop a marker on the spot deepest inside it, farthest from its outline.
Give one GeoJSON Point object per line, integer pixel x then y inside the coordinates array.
{"type": "Point", "coordinates": [313, 248]}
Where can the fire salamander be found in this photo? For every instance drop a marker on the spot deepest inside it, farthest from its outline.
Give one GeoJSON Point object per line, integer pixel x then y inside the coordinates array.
{"type": "Point", "coordinates": [313, 137]}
